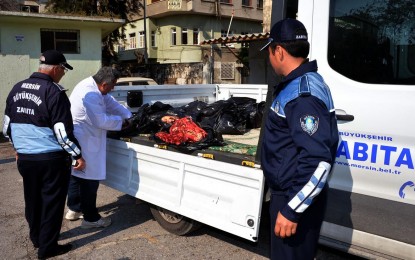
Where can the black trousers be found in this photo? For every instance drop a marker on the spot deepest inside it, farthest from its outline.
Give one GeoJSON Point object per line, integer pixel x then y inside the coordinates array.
{"type": "Point", "coordinates": [82, 197]}
{"type": "Point", "coordinates": [45, 186]}
{"type": "Point", "coordinates": [303, 245]}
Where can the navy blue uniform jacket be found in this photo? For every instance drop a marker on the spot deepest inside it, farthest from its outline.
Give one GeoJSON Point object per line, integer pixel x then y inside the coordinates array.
{"type": "Point", "coordinates": [38, 120]}
{"type": "Point", "coordinates": [300, 139]}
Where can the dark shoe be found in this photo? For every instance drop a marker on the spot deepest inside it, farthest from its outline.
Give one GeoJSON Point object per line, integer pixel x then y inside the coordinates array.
{"type": "Point", "coordinates": [59, 250]}
{"type": "Point", "coordinates": [102, 222]}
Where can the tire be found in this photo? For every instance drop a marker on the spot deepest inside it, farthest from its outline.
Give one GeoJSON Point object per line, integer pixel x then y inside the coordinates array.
{"type": "Point", "coordinates": [173, 222]}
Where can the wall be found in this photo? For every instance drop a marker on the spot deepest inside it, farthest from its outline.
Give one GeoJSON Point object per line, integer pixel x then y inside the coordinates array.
{"type": "Point", "coordinates": [210, 27]}
{"type": "Point", "coordinates": [20, 52]}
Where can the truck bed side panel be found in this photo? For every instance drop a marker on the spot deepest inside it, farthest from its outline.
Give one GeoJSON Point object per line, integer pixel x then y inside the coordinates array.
{"type": "Point", "coordinates": [215, 193]}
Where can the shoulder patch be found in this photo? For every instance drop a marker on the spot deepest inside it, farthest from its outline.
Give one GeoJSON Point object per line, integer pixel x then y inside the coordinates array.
{"type": "Point", "coordinates": [309, 124]}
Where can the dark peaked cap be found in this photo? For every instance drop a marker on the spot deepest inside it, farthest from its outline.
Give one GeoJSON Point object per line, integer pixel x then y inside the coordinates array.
{"type": "Point", "coordinates": [54, 57]}
{"type": "Point", "coordinates": [287, 30]}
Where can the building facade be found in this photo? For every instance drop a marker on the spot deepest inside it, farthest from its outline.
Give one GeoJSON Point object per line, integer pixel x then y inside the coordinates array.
{"type": "Point", "coordinates": [164, 41]}
{"type": "Point", "coordinates": [24, 36]}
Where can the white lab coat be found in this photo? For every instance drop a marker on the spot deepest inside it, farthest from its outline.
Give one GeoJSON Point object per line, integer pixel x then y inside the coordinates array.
{"type": "Point", "coordinates": [93, 114]}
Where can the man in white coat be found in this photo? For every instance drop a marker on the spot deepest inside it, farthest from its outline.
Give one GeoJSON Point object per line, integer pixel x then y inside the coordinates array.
{"type": "Point", "coordinates": [94, 113]}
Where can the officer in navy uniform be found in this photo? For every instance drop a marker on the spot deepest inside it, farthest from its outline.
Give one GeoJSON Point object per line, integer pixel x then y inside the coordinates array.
{"type": "Point", "coordinates": [299, 144]}
{"type": "Point", "coordinates": [38, 122]}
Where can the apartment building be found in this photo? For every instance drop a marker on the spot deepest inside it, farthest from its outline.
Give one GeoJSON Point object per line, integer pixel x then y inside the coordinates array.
{"type": "Point", "coordinates": [164, 40]}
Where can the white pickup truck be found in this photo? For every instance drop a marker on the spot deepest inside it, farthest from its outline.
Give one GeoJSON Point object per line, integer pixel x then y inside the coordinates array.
{"type": "Point", "coordinates": [225, 192]}
{"type": "Point", "coordinates": [365, 51]}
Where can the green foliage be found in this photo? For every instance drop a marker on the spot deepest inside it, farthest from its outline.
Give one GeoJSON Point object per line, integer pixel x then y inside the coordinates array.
{"type": "Point", "coordinates": [123, 9]}
{"type": "Point", "coordinates": [9, 5]}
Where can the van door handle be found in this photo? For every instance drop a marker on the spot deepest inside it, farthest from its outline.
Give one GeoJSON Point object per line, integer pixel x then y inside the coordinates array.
{"type": "Point", "coordinates": [343, 116]}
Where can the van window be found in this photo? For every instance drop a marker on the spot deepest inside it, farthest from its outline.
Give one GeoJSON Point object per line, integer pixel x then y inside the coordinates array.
{"type": "Point", "coordinates": [373, 41]}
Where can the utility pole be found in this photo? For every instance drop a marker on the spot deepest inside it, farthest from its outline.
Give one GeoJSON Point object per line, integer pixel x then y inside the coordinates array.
{"type": "Point", "coordinates": [144, 6]}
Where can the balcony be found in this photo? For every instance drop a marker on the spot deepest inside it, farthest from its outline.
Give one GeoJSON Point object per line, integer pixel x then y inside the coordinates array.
{"type": "Point", "coordinates": [242, 9]}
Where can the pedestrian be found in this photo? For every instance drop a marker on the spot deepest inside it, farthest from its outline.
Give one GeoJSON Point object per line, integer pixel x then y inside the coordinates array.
{"type": "Point", "coordinates": [299, 144]}
{"type": "Point", "coordinates": [94, 112]}
{"type": "Point", "coordinates": [39, 124]}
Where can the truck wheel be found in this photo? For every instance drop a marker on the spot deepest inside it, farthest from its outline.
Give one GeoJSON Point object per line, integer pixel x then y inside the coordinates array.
{"type": "Point", "coordinates": [173, 222]}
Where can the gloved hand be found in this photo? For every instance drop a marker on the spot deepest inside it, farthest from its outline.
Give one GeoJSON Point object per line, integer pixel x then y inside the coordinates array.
{"type": "Point", "coordinates": [127, 123]}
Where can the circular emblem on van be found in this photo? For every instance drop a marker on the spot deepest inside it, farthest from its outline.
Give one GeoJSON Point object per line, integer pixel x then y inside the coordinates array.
{"type": "Point", "coordinates": [309, 124]}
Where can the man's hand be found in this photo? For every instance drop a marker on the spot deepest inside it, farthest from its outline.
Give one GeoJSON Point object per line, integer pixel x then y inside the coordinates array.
{"type": "Point", "coordinates": [80, 164]}
{"type": "Point", "coordinates": [126, 124]}
{"type": "Point", "coordinates": [284, 227]}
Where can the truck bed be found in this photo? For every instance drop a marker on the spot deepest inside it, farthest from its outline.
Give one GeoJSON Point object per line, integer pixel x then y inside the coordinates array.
{"type": "Point", "coordinates": [239, 149]}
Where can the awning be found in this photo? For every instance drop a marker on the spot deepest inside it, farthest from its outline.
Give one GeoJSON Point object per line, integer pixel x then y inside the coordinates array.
{"type": "Point", "coordinates": [30, 3]}
{"type": "Point", "coordinates": [240, 38]}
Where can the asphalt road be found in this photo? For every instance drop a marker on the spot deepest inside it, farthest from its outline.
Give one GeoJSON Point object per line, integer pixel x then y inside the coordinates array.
{"type": "Point", "coordinates": [134, 234]}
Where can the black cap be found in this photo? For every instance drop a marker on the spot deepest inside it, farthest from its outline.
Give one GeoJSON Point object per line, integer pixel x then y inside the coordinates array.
{"type": "Point", "coordinates": [54, 57]}
{"type": "Point", "coordinates": [287, 30]}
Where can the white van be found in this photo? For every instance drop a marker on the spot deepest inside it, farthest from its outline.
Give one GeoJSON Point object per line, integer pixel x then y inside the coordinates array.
{"type": "Point", "coordinates": [365, 50]}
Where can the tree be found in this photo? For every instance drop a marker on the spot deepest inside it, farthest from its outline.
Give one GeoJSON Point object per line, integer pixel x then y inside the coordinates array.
{"type": "Point", "coordinates": [9, 5]}
{"type": "Point", "coordinates": [123, 9]}
{"type": "Point", "coordinates": [394, 15]}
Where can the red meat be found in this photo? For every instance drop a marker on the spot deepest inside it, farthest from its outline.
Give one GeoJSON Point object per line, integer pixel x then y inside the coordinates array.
{"type": "Point", "coordinates": [183, 130]}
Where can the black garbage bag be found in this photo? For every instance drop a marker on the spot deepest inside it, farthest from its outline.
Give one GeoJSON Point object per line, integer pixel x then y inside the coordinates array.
{"type": "Point", "coordinates": [193, 109]}
{"type": "Point", "coordinates": [250, 110]}
{"type": "Point", "coordinates": [146, 120]}
{"type": "Point", "coordinates": [224, 117]}
{"type": "Point", "coordinates": [231, 122]}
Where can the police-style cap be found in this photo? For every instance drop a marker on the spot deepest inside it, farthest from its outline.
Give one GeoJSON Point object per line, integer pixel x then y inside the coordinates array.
{"type": "Point", "coordinates": [54, 57]}
{"type": "Point", "coordinates": [287, 30]}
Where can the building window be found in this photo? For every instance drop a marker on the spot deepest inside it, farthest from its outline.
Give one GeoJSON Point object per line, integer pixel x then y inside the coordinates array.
{"type": "Point", "coordinates": [141, 39]}
{"type": "Point", "coordinates": [244, 44]}
{"type": "Point", "coordinates": [196, 39]}
{"type": "Point", "coordinates": [133, 41]}
{"type": "Point", "coordinates": [65, 41]}
{"type": "Point", "coordinates": [260, 4]}
{"type": "Point", "coordinates": [173, 36]}
{"type": "Point", "coordinates": [227, 70]}
{"type": "Point", "coordinates": [226, 1]}
{"type": "Point", "coordinates": [246, 3]}
{"type": "Point", "coordinates": [153, 39]}
{"type": "Point", "coordinates": [184, 36]}
{"type": "Point", "coordinates": [224, 33]}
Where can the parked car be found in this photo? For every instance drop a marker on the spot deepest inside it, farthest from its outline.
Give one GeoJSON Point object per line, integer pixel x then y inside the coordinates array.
{"type": "Point", "coordinates": [133, 81]}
